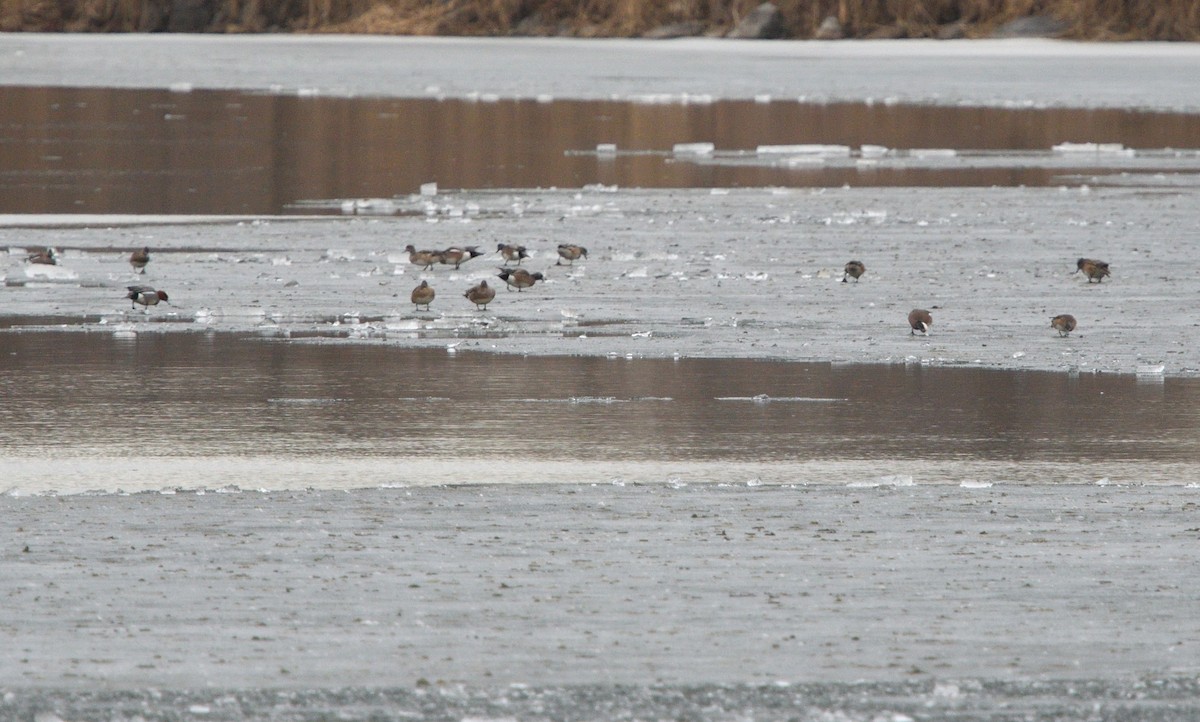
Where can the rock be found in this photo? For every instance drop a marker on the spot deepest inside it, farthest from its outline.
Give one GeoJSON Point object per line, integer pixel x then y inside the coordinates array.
{"type": "Point", "coordinates": [685, 29]}
{"type": "Point", "coordinates": [956, 30]}
{"type": "Point", "coordinates": [190, 16]}
{"type": "Point", "coordinates": [887, 32]}
{"type": "Point", "coordinates": [764, 22]}
{"type": "Point", "coordinates": [1034, 26]}
{"type": "Point", "coordinates": [831, 29]}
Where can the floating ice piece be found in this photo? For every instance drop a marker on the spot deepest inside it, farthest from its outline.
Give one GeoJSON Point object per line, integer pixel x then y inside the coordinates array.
{"type": "Point", "coordinates": [641, 334]}
{"type": "Point", "coordinates": [693, 149]}
{"type": "Point", "coordinates": [933, 152]}
{"type": "Point", "coordinates": [976, 485]}
{"type": "Point", "coordinates": [181, 87]}
{"type": "Point", "coordinates": [429, 189]}
{"type": "Point", "coordinates": [873, 151]}
{"type": "Point", "coordinates": [1091, 148]}
{"type": "Point", "coordinates": [1151, 369]}
{"type": "Point", "coordinates": [544, 98]}
{"type": "Point", "coordinates": [890, 480]}
{"type": "Point", "coordinates": [762, 98]}
{"type": "Point", "coordinates": [1018, 354]}
{"type": "Point", "coordinates": [805, 149]}
{"type": "Point", "coordinates": [606, 148]}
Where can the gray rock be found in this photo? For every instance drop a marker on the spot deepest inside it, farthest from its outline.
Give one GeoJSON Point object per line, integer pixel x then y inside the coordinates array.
{"type": "Point", "coordinates": [764, 22]}
{"type": "Point", "coordinates": [956, 30]}
{"type": "Point", "coordinates": [831, 29]}
{"type": "Point", "coordinates": [684, 29]}
{"type": "Point", "coordinates": [190, 16]}
{"type": "Point", "coordinates": [1034, 26]}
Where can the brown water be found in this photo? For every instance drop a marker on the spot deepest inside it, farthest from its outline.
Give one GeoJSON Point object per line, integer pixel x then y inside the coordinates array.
{"type": "Point", "coordinates": [94, 411]}
{"type": "Point", "coordinates": [127, 151]}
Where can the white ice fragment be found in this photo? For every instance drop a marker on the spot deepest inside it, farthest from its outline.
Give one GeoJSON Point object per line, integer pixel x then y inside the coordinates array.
{"type": "Point", "coordinates": [889, 480]}
{"type": "Point", "coordinates": [762, 98]}
{"type": "Point", "coordinates": [641, 334]}
{"type": "Point", "coordinates": [1018, 354]}
{"type": "Point", "coordinates": [429, 189]}
{"type": "Point", "coordinates": [693, 148]}
{"type": "Point", "coordinates": [933, 152]}
{"type": "Point", "coordinates": [1091, 148]}
{"type": "Point", "coordinates": [642, 272]}
{"type": "Point", "coordinates": [50, 273]}
{"type": "Point", "coordinates": [873, 151]}
{"type": "Point", "coordinates": [840, 151]}
{"type": "Point", "coordinates": [199, 709]}
{"type": "Point", "coordinates": [1151, 369]}
{"type": "Point", "coordinates": [606, 148]}
{"type": "Point", "coordinates": [545, 98]}
{"type": "Point", "coordinates": [1103, 482]}
{"type": "Point", "coordinates": [975, 485]}
{"type": "Point", "coordinates": [946, 689]}
{"type": "Point", "coordinates": [181, 87]}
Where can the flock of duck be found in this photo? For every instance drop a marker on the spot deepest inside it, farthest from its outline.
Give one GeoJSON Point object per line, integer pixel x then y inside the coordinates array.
{"type": "Point", "coordinates": [481, 294]}
{"type": "Point", "coordinates": [921, 320]}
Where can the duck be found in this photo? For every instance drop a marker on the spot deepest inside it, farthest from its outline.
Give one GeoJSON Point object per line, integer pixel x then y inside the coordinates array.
{"type": "Point", "coordinates": [570, 252]}
{"type": "Point", "coordinates": [480, 295]}
{"type": "Point", "coordinates": [512, 252]}
{"type": "Point", "coordinates": [853, 269]}
{"type": "Point", "coordinates": [424, 259]}
{"type": "Point", "coordinates": [139, 259]}
{"type": "Point", "coordinates": [920, 320]}
{"type": "Point", "coordinates": [146, 296]}
{"type": "Point", "coordinates": [1093, 269]}
{"type": "Point", "coordinates": [423, 295]}
{"type": "Point", "coordinates": [1064, 323]}
{"type": "Point", "coordinates": [46, 257]}
{"type": "Point", "coordinates": [519, 278]}
{"type": "Point", "coordinates": [457, 255]}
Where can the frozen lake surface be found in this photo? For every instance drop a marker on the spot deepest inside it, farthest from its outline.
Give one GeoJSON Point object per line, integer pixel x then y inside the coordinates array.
{"type": "Point", "coordinates": [768, 500]}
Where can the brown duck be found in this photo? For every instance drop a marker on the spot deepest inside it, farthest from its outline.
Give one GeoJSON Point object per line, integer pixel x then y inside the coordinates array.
{"type": "Point", "coordinates": [570, 253]}
{"type": "Point", "coordinates": [480, 295]}
{"type": "Point", "coordinates": [512, 252]}
{"type": "Point", "coordinates": [519, 278]}
{"type": "Point", "coordinates": [139, 259]}
{"type": "Point", "coordinates": [920, 320]}
{"type": "Point", "coordinates": [456, 255]}
{"type": "Point", "coordinates": [854, 269]}
{"type": "Point", "coordinates": [1093, 269]}
{"type": "Point", "coordinates": [424, 259]}
{"type": "Point", "coordinates": [423, 295]}
{"type": "Point", "coordinates": [46, 257]}
{"type": "Point", "coordinates": [1064, 323]}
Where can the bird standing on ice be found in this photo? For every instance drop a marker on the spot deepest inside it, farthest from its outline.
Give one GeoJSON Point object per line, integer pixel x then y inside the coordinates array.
{"type": "Point", "coordinates": [423, 295]}
{"type": "Point", "coordinates": [512, 252]}
{"type": "Point", "coordinates": [570, 253]}
{"type": "Point", "coordinates": [854, 269]}
{"type": "Point", "coordinates": [146, 296]}
{"type": "Point", "coordinates": [457, 255]}
{"type": "Point", "coordinates": [139, 259]}
{"type": "Point", "coordinates": [480, 295]}
{"type": "Point", "coordinates": [47, 257]}
{"type": "Point", "coordinates": [920, 320]}
{"type": "Point", "coordinates": [424, 259]}
{"type": "Point", "coordinates": [519, 278]}
{"type": "Point", "coordinates": [1064, 323]}
{"type": "Point", "coordinates": [1093, 269]}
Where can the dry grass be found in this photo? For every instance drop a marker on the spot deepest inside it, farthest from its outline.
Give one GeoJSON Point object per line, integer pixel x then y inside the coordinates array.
{"type": "Point", "coordinates": [1085, 19]}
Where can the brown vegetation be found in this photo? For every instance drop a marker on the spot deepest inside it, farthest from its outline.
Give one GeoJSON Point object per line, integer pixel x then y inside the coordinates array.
{"type": "Point", "coordinates": [1080, 19]}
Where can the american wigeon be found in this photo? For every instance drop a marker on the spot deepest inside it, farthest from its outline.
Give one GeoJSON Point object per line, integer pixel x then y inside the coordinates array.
{"type": "Point", "coordinates": [1093, 269]}
{"type": "Point", "coordinates": [423, 295]}
{"type": "Point", "coordinates": [853, 269]}
{"type": "Point", "coordinates": [519, 278]}
{"type": "Point", "coordinates": [139, 259]}
{"type": "Point", "coordinates": [424, 259]}
{"type": "Point", "coordinates": [480, 295]}
{"type": "Point", "coordinates": [570, 252]}
{"type": "Point", "coordinates": [46, 257]}
{"type": "Point", "coordinates": [457, 255]}
{"type": "Point", "coordinates": [512, 252]}
{"type": "Point", "coordinates": [145, 295]}
{"type": "Point", "coordinates": [1064, 323]}
{"type": "Point", "coordinates": [920, 320]}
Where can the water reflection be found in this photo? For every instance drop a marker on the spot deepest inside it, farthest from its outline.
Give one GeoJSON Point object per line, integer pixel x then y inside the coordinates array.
{"type": "Point", "coordinates": [199, 410]}
{"type": "Point", "coordinates": [133, 151]}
